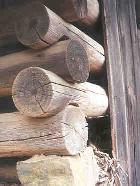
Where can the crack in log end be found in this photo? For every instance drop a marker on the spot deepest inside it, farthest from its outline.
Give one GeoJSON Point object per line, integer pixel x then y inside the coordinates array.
{"type": "Point", "coordinates": [30, 21]}
{"type": "Point", "coordinates": [24, 91]}
{"type": "Point", "coordinates": [77, 61]}
{"type": "Point", "coordinates": [77, 140]}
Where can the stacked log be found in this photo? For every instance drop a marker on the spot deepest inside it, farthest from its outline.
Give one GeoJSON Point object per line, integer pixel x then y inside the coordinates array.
{"type": "Point", "coordinates": [69, 10]}
{"type": "Point", "coordinates": [49, 89]}
{"type": "Point", "coordinates": [46, 28]}
{"type": "Point", "coordinates": [39, 93]}
{"type": "Point", "coordinates": [70, 54]}
{"type": "Point", "coordinates": [85, 12]}
{"type": "Point", "coordinates": [65, 133]}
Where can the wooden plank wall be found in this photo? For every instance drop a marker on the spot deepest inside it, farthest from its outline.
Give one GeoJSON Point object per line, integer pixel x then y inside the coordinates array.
{"type": "Point", "coordinates": [123, 65]}
{"type": "Point", "coordinates": [138, 12]}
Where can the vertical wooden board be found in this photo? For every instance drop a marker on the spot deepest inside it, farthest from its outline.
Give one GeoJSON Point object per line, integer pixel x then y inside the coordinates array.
{"type": "Point", "coordinates": [122, 60]}
{"type": "Point", "coordinates": [116, 86]}
{"type": "Point", "coordinates": [137, 3]}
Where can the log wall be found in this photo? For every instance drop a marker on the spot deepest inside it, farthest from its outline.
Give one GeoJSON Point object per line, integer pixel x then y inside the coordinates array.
{"type": "Point", "coordinates": [56, 128]}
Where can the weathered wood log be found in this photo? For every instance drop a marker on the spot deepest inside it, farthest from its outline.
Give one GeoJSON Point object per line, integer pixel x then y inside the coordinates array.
{"type": "Point", "coordinates": [69, 10]}
{"type": "Point", "coordinates": [40, 93]}
{"type": "Point", "coordinates": [92, 14]}
{"type": "Point", "coordinates": [64, 134]}
{"type": "Point", "coordinates": [80, 170]}
{"type": "Point", "coordinates": [66, 58]}
{"type": "Point", "coordinates": [85, 12]}
{"type": "Point", "coordinates": [41, 27]}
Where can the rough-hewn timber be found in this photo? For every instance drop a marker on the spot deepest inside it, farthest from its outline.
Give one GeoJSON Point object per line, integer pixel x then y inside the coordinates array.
{"type": "Point", "coordinates": [64, 134]}
{"type": "Point", "coordinates": [123, 65]}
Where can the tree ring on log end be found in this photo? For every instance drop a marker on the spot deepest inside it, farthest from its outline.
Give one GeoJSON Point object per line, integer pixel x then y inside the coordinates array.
{"type": "Point", "coordinates": [32, 92]}
{"type": "Point", "coordinates": [77, 61]}
{"type": "Point", "coordinates": [33, 24]}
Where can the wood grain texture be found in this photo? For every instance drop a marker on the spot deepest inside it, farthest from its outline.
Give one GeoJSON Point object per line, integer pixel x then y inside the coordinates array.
{"type": "Point", "coordinates": [41, 27]}
{"type": "Point", "coordinates": [124, 86]}
{"type": "Point", "coordinates": [138, 12]}
{"type": "Point", "coordinates": [64, 134]}
{"type": "Point", "coordinates": [80, 170]}
{"type": "Point", "coordinates": [69, 10]}
{"type": "Point", "coordinates": [40, 93]}
{"type": "Point", "coordinates": [66, 58]}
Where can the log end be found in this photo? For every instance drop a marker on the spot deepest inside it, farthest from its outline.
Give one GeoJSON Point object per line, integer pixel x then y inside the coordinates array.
{"type": "Point", "coordinates": [77, 61]}
{"type": "Point", "coordinates": [77, 129]}
{"type": "Point", "coordinates": [32, 25]}
{"type": "Point", "coordinates": [32, 92]}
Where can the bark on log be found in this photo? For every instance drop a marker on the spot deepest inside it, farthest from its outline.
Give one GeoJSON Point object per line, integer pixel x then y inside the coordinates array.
{"type": "Point", "coordinates": [64, 134]}
{"type": "Point", "coordinates": [41, 27]}
{"type": "Point", "coordinates": [40, 93]}
{"type": "Point", "coordinates": [66, 58]}
{"type": "Point", "coordinates": [80, 170]}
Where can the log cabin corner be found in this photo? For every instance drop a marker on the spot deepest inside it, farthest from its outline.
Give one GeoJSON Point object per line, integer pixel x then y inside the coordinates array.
{"type": "Point", "coordinates": [70, 92]}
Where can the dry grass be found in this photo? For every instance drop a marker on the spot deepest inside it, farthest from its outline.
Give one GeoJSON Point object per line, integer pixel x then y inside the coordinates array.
{"type": "Point", "coordinates": [109, 169]}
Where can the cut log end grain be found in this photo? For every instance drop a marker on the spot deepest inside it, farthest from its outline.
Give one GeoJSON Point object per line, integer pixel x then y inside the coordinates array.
{"type": "Point", "coordinates": [43, 25]}
{"type": "Point", "coordinates": [68, 59]}
{"type": "Point", "coordinates": [38, 93]}
{"type": "Point", "coordinates": [35, 24]}
{"type": "Point", "coordinates": [80, 170]}
{"type": "Point", "coordinates": [48, 28]}
{"type": "Point", "coordinates": [66, 133]}
{"type": "Point", "coordinates": [77, 61]}
{"type": "Point", "coordinates": [32, 92]}
{"type": "Point", "coordinates": [31, 30]}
